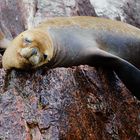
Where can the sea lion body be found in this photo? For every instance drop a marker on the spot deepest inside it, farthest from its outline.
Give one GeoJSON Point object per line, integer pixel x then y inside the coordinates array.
{"type": "Point", "coordinates": [83, 35]}
{"type": "Point", "coordinates": [64, 42]}
{"type": "Point", "coordinates": [78, 44]}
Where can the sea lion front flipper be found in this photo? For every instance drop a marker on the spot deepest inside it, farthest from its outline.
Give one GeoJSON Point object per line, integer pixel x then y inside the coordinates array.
{"type": "Point", "coordinates": [130, 76]}
{"type": "Point", "coordinates": [127, 72]}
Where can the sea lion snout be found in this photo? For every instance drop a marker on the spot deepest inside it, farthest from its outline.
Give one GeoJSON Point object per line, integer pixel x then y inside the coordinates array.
{"type": "Point", "coordinates": [28, 52]}
{"type": "Point", "coordinates": [33, 55]}
{"type": "Point", "coordinates": [34, 51]}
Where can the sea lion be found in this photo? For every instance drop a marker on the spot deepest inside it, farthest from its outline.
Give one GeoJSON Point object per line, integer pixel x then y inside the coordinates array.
{"type": "Point", "coordinates": [72, 41]}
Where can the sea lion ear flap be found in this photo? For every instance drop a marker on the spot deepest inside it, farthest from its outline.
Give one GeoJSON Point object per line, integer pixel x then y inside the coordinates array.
{"type": "Point", "coordinates": [45, 56]}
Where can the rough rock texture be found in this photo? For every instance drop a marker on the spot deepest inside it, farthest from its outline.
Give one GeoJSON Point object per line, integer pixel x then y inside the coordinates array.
{"type": "Point", "coordinates": [132, 10]}
{"type": "Point", "coordinates": [109, 8]}
{"type": "Point", "coordinates": [78, 103]}
{"type": "Point", "coordinates": [124, 10]}
{"type": "Point", "coordinates": [73, 103]}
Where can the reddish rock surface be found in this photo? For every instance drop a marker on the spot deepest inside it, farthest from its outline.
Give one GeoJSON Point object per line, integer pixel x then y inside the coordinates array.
{"type": "Point", "coordinates": [73, 103]}
{"type": "Point", "coordinates": [78, 103]}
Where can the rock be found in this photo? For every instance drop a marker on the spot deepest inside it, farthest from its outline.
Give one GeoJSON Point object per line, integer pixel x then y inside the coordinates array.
{"type": "Point", "coordinates": [11, 16]}
{"type": "Point", "coordinates": [63, 103]}
{"type": "Point", "coordinates": [83, 8]}
{"type": "Point", "coordinates": [109, 9]}
{"type": "Point", "coordinates": [73, 103]}
{"type": "Point", "coordinates": [131, 10]}
{"type": "Point", "coordinates": [126, 10]}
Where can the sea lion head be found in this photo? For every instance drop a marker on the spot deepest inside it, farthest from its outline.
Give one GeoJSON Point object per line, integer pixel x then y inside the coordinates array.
{"type": "Point", "coordinates": [28, 50]}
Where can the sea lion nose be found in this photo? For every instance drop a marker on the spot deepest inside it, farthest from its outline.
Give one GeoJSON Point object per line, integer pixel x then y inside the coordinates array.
{"type": "Point", "coordinates": [34, 51]}
{"type": "Point", "coordinates": [28, 52]}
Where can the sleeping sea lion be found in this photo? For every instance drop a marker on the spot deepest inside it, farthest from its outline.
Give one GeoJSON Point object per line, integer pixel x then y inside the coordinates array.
{"type": "Point", "coordinates": [72, 41]}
